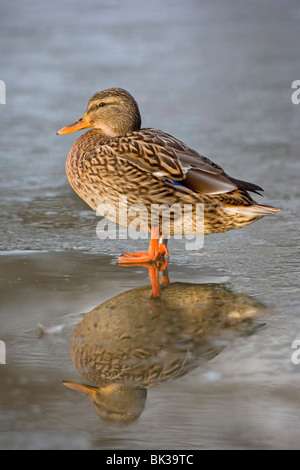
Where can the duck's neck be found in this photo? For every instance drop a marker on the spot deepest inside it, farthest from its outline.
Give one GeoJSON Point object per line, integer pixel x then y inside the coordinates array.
{"type": "Point", "coordinates": [96, 136]}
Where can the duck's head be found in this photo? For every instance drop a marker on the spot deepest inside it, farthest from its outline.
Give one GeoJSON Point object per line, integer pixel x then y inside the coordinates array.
{"type": "Point", "coordinates": [114, 111]}
{"type": "Point", "coordinates": [114, 402]}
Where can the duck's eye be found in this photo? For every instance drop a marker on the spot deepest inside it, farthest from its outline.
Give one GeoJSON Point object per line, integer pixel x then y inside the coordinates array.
{"type": "Point", "coordinates": [101, 104]}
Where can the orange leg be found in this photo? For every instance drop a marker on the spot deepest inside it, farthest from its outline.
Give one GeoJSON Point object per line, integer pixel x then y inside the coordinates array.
{"type": "Point", "coordinates": [154, 279]}
{"type": "Point", "coordinates": [154, 269]}
{"type": "Point", "coordinates": [164, 273]}
{"type": "Point", "coordinates": [155, 251]}
{"type": "Point", "coordinates": [162, 248]}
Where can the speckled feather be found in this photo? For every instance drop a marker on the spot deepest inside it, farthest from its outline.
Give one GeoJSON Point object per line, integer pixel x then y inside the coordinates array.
{"type": "Point", "coordinates": [101, 170]}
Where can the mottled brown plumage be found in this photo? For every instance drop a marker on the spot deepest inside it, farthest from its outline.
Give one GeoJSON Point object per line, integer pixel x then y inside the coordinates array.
{"type": "Point", "coordinates": [149, 167]}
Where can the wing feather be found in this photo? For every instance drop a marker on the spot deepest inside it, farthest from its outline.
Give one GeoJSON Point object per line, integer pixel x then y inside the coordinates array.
{"type": "Point", "coordinates": [166, 156]}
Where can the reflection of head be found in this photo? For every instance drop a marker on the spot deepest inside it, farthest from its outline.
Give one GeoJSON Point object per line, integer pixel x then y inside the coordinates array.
{"type": "Point", "coordinates": [114, 403]}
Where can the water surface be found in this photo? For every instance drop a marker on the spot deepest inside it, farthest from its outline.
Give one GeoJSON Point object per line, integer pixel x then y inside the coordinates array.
{"type": "Point", "coordinates": [209, 364]}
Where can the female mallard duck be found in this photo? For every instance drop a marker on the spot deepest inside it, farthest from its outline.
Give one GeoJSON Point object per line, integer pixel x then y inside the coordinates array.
{"type": "Point", "coordinates": [121, 165]}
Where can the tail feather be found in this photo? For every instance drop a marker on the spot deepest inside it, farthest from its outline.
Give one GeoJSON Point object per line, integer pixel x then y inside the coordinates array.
{"type": "Point", "coordinates": [254, 210]}
{"type": "Point", "coordinates": [245, 185]}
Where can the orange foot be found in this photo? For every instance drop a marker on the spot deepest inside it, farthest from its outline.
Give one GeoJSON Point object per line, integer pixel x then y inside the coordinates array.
{"type": "Point", "coordinates": [138, 257]}
{"type": "Point", "coordinates": [156, 252]}
{"type": "Point", "coordinates": [163, 251]}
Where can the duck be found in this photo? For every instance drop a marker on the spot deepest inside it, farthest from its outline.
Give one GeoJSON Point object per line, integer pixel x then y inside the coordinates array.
{"type": "Point", "coordinates": [117, 165]}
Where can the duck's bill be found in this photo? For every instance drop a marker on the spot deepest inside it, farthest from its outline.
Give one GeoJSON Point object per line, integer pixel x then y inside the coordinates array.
{"type": "Point", "coordinates": [86, 389]}
{"type": "Point", "coordinates": [82, 123]}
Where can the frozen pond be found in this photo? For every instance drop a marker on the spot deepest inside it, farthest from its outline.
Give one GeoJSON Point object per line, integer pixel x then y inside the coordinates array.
{"type": "Point", "coordinates": [209, 364]}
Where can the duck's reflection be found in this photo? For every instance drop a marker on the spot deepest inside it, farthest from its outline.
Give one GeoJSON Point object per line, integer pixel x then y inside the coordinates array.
{"type": "Point", "coordinates": [133, 341]}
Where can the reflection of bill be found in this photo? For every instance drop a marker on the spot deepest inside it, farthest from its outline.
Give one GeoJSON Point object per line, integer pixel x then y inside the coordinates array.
{"type": "Point", "coordinates": [2, 92]}
{"type": "Point", "coordinates": [2, 352]}
{"type": "Point", "coordinates": [185, 220]}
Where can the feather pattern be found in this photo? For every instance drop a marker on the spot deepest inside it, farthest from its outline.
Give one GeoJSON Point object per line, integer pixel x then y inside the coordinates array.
{"type": "Point", "coordinates": [149, 166]}
{"type": "Point", "coordinates": [165, 155]}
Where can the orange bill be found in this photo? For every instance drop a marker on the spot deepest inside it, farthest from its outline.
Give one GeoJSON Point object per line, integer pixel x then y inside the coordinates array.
{"type": "Point", "coordinates": [82, 123]}
{"type": "Point", "coordinates": [86, 389]}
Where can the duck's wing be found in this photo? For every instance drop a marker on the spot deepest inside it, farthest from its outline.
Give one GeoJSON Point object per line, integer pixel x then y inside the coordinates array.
{"type": "Point", "coordinates": [167, 157]}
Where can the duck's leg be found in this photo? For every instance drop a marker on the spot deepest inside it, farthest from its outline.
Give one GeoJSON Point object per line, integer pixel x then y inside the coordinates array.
{"type": "Point", "coordinates": [155, 251]}
{"type": "Point", "coordinates": [154, 269]}
{"type": "Point", "coordinates": [154, 279]}
{"type": "Point", "coordinates": [163, 268]}
{"type": "Point", "coordinates": [162, 247]}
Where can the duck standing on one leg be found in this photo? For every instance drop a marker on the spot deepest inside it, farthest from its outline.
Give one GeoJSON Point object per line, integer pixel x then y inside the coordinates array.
{"type": "Point", "coordinates": [117, 158]}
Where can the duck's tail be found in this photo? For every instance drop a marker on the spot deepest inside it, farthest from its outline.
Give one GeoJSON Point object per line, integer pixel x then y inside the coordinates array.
{"type": "Point", "coordinates": [252, 210]}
